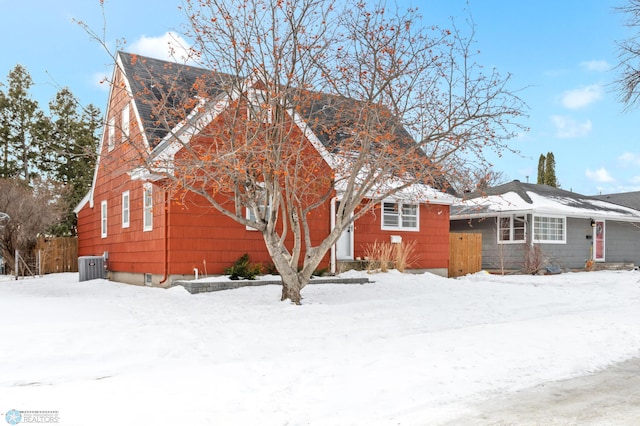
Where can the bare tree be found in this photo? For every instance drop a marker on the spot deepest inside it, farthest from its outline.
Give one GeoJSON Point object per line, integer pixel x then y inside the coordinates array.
{"type": "Point", "coordinates": [30, 211]}
{"type": "Point", "coordinates": [361, 83]}
{"type": "Point", "coordinates": [629, 55]}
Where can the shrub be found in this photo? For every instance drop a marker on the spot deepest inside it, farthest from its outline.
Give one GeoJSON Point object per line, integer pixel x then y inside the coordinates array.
{"type": "Point", "coordinates": [379, 255]}
{"type": "Point", "coordinates": [243, 269]}
{"type": "Point", "coordinates": [404, 255]}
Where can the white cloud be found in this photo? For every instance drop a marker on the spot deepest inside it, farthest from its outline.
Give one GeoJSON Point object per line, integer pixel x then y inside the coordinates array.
{"type": "Point", "coordinates": [169, 46]}
{"type": "Point", "coordinates": [635, 180]}
{"type": "Point", "coordinates": [595, 65]}
{"type": "Point", "coordinates": [600, 175]}
{"type": "Point", "coordinates": [580, 98]}
{"type": "Point", "coordinates": [629, 158]}
{"type": "Point", "coordinates": [568, 128]}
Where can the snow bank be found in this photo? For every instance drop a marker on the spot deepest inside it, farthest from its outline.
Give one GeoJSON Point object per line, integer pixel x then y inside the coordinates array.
{"type": "Point", "coordinates": [404, 349]}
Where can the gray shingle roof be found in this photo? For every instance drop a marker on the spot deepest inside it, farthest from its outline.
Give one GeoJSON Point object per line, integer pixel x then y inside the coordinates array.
{"type": "Point", "coordinates": [571, 202]}
{"type": "Point", "coordinates": [158, 86]}
{"type": "Point", "coordinates": [627, 199]}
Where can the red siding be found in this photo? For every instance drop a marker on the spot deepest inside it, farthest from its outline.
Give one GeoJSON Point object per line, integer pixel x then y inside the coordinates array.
{"type": "Point", "coordinates": [130, 249]}
{"type": "Point", "coordinates": [196, 236]}
{"type": "Point", "coordinates": [432, 241]}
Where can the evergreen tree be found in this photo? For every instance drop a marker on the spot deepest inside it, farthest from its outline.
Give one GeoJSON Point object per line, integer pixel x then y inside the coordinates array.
{"type": "Point", "coordinates": [8, 164]}
{"type": "Point", "coordinates": [21, 122]}
{"type": "Point", "coordinates": [70, 151]}
{"type": "Point", "coordinates": [60, 148]}
{"type": "Point", "coordinates": [541, 161]}
{"type": "Point", "coordinates": [550, 171]}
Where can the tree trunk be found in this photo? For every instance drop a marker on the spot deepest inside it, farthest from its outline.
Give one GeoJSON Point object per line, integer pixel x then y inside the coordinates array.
{"type": "Point", "coordinates": [291, 286]}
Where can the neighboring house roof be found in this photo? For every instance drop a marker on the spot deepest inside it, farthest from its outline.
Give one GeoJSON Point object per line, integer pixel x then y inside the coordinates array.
{"type": "Point", "coordinates": [518, 197]}
{"type": "Point", "coordinates": [627, 199]}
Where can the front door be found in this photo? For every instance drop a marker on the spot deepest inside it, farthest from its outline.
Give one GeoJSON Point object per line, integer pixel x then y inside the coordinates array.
{"type": "Point", "coordinates": [598, 241]}
{"type": "Point", "coordinates": [344, 245]}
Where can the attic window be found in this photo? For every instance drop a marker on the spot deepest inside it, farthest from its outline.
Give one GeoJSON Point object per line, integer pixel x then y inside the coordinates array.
{"type": "Point", "coordinates": [258, 108]}
{"type": "Point", "coordinates": [125, 122]}
{"type": "Point", "coordinates": [111, 134]}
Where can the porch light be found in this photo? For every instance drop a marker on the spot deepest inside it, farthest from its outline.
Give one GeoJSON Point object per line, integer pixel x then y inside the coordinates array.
{"type": "Point", "coordinates": [593, 223]}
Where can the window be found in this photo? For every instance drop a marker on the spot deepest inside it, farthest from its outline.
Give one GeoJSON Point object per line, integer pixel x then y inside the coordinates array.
{"type": "Point", "coordinates": [399, 216]}
{"type": "Point", "coordinates": [257, 106]}
{"type": "Point", "coordinates": [512, 229]}
{"type": "Point", "coordinates": [125, 209]}
{"type": "Point", "coordinates": [125, 122]}
{"type": "Point", "coordinates": [111, 133]}
{"type": "Point", "coordinates": [147, 208]}
{"type": "Point", "coordinates": [549, 229]}
{"type": "Point", "coordinates": [103, 221]}
{"type": "Point", "coordinates": [263, 207]}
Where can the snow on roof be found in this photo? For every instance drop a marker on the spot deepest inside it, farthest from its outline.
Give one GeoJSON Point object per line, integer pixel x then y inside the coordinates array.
{"type": "Point", "coordinates": [516, 197]}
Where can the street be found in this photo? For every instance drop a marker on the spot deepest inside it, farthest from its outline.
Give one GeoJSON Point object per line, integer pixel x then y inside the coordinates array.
{"type": "Point", "coordinates": [607, 397]}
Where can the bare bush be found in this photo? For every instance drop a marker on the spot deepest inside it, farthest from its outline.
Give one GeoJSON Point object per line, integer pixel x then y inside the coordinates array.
{"type": "Point", "coordinates": [31, 212]}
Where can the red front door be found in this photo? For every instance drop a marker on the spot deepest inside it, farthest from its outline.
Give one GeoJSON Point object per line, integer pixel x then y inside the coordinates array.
{"type": "Point", "coordinates": [598, 241]}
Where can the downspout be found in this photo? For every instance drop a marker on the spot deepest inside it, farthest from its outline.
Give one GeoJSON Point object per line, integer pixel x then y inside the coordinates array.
{"type": "Point", "coordinates": [333, 225]}
{"type": "Point", "coordinates": [166, 239]}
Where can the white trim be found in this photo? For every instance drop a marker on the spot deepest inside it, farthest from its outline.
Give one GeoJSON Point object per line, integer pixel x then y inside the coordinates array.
{"type": "Point", "coordinates": [256, 98]}
{"type": "Point", "coordinates": [317, 144]}
{"type": "Point", "coordinates": [104, 217]}
{"type": "Point", "coordinates": [111, 134]}
{"type": "Point", "coordinates": [512, 229]}
{"type": "Point", "coordinates": [125, 121]}
{"type": "Point", "coordinates": [147, 223]}
{"type": "Point", "coordinates": [604, 240]}
{"type": "Point", "coordinates": [564, 229]}
{"type": "Point", "coordinates": [399, 215]}
{"type": "Point", "coordinates": [127, 210]}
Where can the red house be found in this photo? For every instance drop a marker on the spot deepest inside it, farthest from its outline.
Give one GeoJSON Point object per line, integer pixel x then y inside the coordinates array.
{"type": "Point", "coordinates": [151, 236]}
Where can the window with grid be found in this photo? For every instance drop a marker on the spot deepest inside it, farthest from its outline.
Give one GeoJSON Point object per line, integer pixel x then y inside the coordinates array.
{"type": "Point", "coordinates": [103, 217]}
{"type": "Point", "coordinates": [111, 133]}
{"type": "Point", "coordinates": [125, 123]}
{"type": "Point", "coordinates": [258, 108]}
{"type": "Point", "coordinates": [125, 209]}
{"type": "Point", "coordinates": [512, 229]}
{"type": "Point", "coordinates": [148, 208]}
{"type": "Point", "coordinates": [399, 216]}
{"type": "Point", "coordinates": [549, 229]}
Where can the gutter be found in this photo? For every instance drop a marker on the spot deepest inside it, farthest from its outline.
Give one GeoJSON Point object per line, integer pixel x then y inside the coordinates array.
{"type": "Point", "coordinates": [166, 239]}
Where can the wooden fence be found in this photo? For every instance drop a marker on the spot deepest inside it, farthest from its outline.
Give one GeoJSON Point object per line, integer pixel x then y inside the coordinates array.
{"type": "Point", "coordinates": [465, 254]}
{"type": "Point", "coordinates": [58, 254]}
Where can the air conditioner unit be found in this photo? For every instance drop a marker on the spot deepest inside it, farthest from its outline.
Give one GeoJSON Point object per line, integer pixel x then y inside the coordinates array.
{"type": "Point", "coordinates": [91, 267]}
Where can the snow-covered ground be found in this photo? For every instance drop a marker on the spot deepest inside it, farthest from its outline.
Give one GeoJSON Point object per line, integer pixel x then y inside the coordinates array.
{"type": "Point", "coordinates": [406, 349]}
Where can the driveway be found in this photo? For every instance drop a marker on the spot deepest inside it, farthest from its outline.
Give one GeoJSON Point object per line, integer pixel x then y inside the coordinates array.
{"type": "Point", "coordinates": [607, 397]}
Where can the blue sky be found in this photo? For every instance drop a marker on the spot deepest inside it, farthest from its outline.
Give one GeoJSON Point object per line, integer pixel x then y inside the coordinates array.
{"type": "Point", "coordinates": [560, 53]}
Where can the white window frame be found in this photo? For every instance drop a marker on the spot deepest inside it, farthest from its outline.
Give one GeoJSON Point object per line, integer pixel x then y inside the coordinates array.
{"type": "Point", "coordinates": [147, 207]}
{"type": "Point", "coordinates": [104, 215]}
{"type": "Point", "coordinates": [111, 134]}
{"type": "Point", "coordinates": [256, 102]}
{"type": "Point", "coordinates": [400, 215]}
{"type": "Point", "coordinates": [513, 221]}
{"type": "Point", "coordinates": [535, 235]}
{"type": "Point", "coordinates": [126, 209]}
{"type": "Point", "coordinates": [126, 119]}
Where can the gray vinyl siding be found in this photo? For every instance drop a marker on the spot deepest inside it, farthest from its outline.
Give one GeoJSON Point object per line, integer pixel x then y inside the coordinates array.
{"type": "Point", "coordinates": [576, 251]}
{"type": "Point", "coordinates": [622, 242]}
{"type": "Point", "coordinates": [494, 255]}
